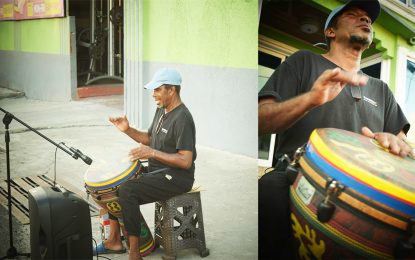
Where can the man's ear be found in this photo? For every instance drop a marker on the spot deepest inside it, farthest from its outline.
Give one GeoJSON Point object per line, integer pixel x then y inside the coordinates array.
{"type": "Point", "coordinates": [329, 33]}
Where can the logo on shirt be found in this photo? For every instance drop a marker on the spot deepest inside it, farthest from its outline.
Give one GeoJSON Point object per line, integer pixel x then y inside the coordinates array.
{"type": "Point", "coordinates": [370, 101]}
{"type": "Point", "coordinates": [164, 130]}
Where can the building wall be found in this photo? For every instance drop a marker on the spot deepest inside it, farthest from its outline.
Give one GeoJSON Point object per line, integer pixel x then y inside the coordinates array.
{"type": "Point", "coordinates": [35, 58]}
{"type": "Point", "coordinates": [213, 43]}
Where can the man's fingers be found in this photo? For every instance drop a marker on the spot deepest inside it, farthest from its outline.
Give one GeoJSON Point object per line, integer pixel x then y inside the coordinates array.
{"type": "Point", "coordinates": [345, 77]}
{"type": "Point", "coordinates": [367, 132]}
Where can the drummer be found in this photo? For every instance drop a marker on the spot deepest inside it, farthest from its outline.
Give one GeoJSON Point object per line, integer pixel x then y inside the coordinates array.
{"type": "Point", "coordinates": [169, 144]}
{"type": "Point", "coordinates": [311, 91]}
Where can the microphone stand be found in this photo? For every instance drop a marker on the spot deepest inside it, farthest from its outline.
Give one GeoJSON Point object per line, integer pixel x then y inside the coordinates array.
{"type": "Point", "coordinates": [8, 117]}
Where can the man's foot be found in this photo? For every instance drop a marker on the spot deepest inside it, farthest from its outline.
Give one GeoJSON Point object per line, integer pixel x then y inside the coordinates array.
{"type": "Point", "coordinates": [114, 245]}
{"type": "Point", "coordinates": [100, 249]}
{"type": "Point", "coordinates": [134, 255]}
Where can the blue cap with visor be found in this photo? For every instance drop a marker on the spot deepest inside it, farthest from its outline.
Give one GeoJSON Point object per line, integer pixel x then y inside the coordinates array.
{"type": "Point", "coordinates": [372, 8]}
{"type": "Point", "coordinates": [164, 76]}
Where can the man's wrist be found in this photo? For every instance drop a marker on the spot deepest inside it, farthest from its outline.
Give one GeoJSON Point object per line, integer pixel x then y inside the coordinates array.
{"type": "Point", "coordinates": [153, 154]}
{"type": "Point", "coordinates": [127, 130]}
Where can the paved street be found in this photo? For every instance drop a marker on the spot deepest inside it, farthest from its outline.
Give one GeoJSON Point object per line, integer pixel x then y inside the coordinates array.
{"type": "Point", "coordinates": [229, 181]}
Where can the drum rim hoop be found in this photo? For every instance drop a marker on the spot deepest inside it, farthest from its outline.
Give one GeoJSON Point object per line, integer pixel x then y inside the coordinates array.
{"type": "Point", "coordinates": [351, 170]}
{"type": "Point", "coordinates": [135, 167]}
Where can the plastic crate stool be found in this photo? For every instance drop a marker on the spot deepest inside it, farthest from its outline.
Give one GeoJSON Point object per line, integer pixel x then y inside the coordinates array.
{"type": "Point", "coordinates": [179, 224]}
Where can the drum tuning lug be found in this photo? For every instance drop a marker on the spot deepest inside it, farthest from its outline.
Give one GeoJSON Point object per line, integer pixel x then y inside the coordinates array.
{"type": "Point", "coordinates": [292, 168]}
{"type": "Point", "coordinates": [326, 209]}
{"type": "Point", "coordinates": [298, 153]}
{"type": "Point", "coordinates": [405, 248]}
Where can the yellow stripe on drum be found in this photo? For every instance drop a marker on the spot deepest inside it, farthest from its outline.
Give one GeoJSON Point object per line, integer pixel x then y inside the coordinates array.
{"type": "Point", "coordinates": [121, 176]}
{"type": "Point", "coordinates": [148, 246]}
{"type": "Point", "coordinates": [334, 232]}
{"type": "Point", "coordinates": [360, 174]}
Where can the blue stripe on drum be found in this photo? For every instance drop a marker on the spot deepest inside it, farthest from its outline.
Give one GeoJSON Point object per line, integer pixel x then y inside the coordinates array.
{"type": "Point", "coordinates": [349, 181]}
{"type": "Point", "coordinates": [114, 184]}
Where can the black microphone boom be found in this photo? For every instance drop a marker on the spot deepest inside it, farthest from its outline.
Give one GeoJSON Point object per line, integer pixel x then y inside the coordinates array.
{"type": "Point", "coordinates": [84, 158]}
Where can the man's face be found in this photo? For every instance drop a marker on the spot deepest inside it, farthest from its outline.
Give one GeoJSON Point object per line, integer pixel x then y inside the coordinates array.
{"type": "Point", "coordinates": [355, 25]}
{"type": "Point", "coordinates": [162, 96]}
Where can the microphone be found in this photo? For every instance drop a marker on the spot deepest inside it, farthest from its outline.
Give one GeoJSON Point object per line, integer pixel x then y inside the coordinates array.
{"type": "Point", "coordinates": [84, 158]}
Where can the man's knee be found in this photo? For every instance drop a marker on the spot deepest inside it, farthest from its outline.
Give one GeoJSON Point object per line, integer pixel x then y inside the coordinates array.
{"type": "Point", "coordinates": [125, 190]}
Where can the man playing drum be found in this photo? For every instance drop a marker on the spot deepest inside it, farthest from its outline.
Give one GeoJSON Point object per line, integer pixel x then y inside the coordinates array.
{"type": "Point", "coordinates": [311, 91]}
{"type": "Point", "coordinates": [169, 144]}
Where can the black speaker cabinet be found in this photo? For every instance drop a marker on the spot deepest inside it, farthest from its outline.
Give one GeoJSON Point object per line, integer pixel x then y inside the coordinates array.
{"type": "Point", "coordinates": [60, 224]}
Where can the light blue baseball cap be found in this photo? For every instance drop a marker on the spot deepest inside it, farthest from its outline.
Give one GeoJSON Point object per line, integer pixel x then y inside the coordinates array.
{"type": "Point", "coordinates": [372, 8]}
{"type": "Point", "coordinates": [163, 76]}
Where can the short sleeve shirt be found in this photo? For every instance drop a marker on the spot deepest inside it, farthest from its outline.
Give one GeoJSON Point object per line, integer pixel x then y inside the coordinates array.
{"type": "Point", "coordinates": [176, 131]}
{"type": "Point", "coordinates": [377, 109]}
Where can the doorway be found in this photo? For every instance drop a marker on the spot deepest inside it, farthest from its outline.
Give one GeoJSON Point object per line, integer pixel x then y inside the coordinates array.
{"type": "Point", "coordinates": [99, 41]}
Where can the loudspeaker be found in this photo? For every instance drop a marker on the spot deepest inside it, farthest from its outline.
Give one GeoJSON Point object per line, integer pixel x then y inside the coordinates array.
{"type": "Point", "coordinates": [60, 224]}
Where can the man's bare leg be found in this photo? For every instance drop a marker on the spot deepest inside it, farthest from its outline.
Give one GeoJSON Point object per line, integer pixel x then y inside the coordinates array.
{"type": "Point", "coordinates": [134, 248]}
{"type": "Point", "coordinates": [114, 239]}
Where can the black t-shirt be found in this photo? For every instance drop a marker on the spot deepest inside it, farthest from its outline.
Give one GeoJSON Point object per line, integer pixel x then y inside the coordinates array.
{"type": "Point", "coordinates": [176, 132]}
{"type": "Point", "coordinates": [377, 108]}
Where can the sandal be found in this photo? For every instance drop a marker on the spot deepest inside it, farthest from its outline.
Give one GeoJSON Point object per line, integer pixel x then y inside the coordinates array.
{"type": "Point", "coordinates": [101, 250]}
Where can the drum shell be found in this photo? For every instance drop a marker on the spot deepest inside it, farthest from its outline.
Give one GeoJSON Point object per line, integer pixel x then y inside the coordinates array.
{"type": "Point", "coordinates": [348, 234]}
{"type": "Point", "coordinates": [147, 243]}
{"type": "Point", "coordinates": [362, 225]}
{"type": "Point", "coordinates": [108, 201]}
{"type": "Point", "coordinates": [107, 196]}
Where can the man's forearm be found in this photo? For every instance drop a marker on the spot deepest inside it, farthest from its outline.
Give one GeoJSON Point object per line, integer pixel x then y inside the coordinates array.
{"type": "Point", "coordinates": [274, 117]}
{"type": "Point", "coordinates": [138, 136]}
{"type": "Point", "coordinates": [182, 159]}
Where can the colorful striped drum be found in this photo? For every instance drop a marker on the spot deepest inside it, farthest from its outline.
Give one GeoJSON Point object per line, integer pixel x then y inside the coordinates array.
{"type": "Point", "coordinates": [352, 199]}
{"type": "Point", "coordinates": [102, 181]}
{"type": "Point", "coordinates": [147, 244]}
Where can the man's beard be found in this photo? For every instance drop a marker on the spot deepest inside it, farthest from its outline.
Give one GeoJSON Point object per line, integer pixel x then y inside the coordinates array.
{"type": "Point", "coordinates": [364, 41]}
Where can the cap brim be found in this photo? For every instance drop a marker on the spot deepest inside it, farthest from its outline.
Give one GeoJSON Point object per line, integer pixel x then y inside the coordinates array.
{"type": "Point", "coordinates": [371, 7]}
{"type": "Point", "coordinates": [152, 85]}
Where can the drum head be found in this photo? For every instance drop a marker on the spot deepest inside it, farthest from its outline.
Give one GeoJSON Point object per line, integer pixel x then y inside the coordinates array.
{"type": "Point", "coordinates": [104, 174]}
{"type": "Point", "coordinates": [362, 164]}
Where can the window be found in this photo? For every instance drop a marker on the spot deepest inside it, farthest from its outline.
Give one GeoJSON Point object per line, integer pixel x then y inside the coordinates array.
{"type": "Point", "coordinates": [373, 70]}
{"type": "Point", "coordinates": [405, 85]}
{"type": "Point", "coordinates": [270, 55]}
{"type": "Point", "coordinates": [408, 3]}
{"type": "Point", "coordinates": [266, 143]}
{"type": "Point", "coordinates": [410, 88]}
{"type": "Point", "coordinates": [377, 67]}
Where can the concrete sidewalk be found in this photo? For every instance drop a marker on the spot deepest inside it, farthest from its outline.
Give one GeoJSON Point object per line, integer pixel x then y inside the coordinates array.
{"type": "Point", "coordinates": [229, 199]}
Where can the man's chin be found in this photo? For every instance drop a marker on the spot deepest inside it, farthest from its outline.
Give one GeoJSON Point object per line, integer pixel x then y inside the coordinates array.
{"type": "Point", "coordinates": [365, 41]}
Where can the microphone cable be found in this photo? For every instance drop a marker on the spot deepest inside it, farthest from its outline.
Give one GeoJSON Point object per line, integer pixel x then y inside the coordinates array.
{"type": "Point", "coordinates": [54, 171]}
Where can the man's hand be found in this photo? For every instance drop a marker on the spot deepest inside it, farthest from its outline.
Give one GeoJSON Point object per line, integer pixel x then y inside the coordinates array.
{"type": "Point", "coordinates": [121, 123]}
{"type": "Point", "coordinates": [141, 152]}
{"type": "Point", "coordinates": [329, 84]}
{"type": "Point", "coordinates": [183, 159]}
{"type": "Point", "coordinates": [395, 144]}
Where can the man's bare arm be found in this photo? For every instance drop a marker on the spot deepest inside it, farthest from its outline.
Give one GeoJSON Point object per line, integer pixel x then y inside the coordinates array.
{"type": "Point", "coordinates": [274, 117]}
{"type": "Point", "coordinates": [182, 159]}
{"type": "Point", "coordinates": [138, 136]}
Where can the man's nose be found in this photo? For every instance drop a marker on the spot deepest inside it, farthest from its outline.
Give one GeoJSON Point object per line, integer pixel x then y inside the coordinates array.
{"type": "Point", "coordinates": [365, 18]}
